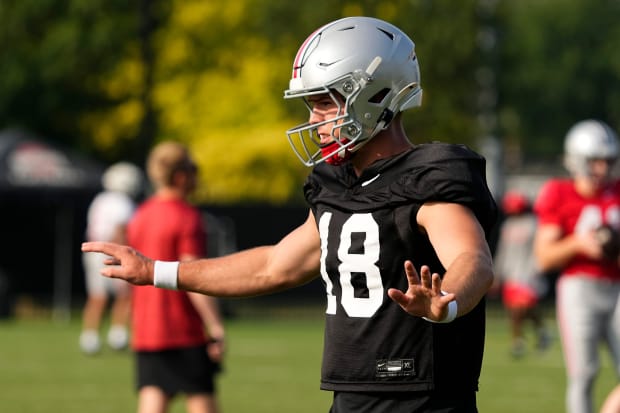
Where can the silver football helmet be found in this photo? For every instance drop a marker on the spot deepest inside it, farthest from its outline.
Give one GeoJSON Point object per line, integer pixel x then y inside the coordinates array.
{"type": "Point", "coordinates": [123, 177]}
{"type": "Point", "coordinates": [587, 140]}
{"type": "Point", "coordinates": [371, 65]}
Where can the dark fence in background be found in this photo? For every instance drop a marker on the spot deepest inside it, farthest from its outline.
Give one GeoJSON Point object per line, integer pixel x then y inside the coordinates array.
{"type": "Point", "coordinates": [39, 249]}
{"type": "Point", "coordinates": [254, 225]}
{"type": "Point", "coordinates": [28, 260]}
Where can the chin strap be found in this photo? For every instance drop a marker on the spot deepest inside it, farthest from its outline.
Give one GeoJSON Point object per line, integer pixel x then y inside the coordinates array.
{"type": "Point", "coordinates": [336, 158]}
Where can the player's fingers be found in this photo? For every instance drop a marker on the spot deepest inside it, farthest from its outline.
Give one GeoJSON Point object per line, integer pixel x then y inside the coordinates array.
{"type": "Point", "coordinates": [398, 297]}
{"type": "Point", "coordinates": [425, 277]}
{"type": "Point", "coordinates": [445, 297]}
{"type": "Point", "coordinates": [108, 248]}
{"type": "Point", "coordinates": [111, 272]}
{"type": "Point", "coordinates": [123, 272]}
{"type": "Point", "coordinates": [436, 284]}
{"type": "Point", "coordinates": [448, 297]}
{"type": "Point", "coordinates": [412, 274]}
{"type": "Point", "coordinates": [112, 261]}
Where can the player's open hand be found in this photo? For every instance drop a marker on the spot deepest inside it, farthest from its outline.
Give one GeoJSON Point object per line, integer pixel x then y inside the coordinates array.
{"type": "Point", "coordinates": [423, 297]}
{"type": "Point", "coordinates": [124, 262]}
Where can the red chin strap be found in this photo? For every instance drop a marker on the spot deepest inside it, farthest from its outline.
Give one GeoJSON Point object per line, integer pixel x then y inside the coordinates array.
{"type": "Point", "coordinates": [339, 157]}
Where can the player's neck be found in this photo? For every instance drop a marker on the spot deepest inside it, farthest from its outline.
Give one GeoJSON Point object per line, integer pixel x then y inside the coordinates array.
{"type": "Point", "coordinates": [169, 193]}
{"type": "Point", "coordinates": [588, 189]}
{"type": "Point", "coordinates": [386, 144]}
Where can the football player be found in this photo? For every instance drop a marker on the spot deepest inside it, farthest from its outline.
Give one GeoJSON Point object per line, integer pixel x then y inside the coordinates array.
{"type": "Point", "coordinates": [570, 213]}
{"type": "Point", "coordinates": [521, 283]}
{"type": "Point", "coordinates": [397, 232]}
{"type": "Point", "coordinates": [107, 218]}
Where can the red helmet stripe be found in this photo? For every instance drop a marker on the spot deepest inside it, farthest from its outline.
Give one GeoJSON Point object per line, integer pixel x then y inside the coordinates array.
{"type": "Point", "coordinates": [297, 63]}
{"type": "Point", "coordinates": [302, 52]}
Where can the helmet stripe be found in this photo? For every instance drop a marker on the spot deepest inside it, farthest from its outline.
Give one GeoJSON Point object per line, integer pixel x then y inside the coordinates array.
{"type": "Point", "coordinates": [298, 62]}
{"type": "Point", "coordinates": [302, 51]}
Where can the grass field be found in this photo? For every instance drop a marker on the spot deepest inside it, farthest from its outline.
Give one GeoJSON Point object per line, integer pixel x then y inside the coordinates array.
{"type": "Point", "coordinates": [272, 366]}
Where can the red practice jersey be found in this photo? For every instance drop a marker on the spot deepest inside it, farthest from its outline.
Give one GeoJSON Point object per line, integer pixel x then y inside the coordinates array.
{"type": "Point", "coordinates": [164, 319]}
{"type": "Point", "coordinates": [559, 204]}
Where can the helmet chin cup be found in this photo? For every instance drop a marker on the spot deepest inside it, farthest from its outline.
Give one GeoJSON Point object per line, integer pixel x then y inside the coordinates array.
{"type": "Point", "coordinates": [335, 153]}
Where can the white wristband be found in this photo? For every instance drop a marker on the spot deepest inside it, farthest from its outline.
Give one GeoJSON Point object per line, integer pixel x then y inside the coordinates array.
{"type": "Point", "coordinates": [453, 308]}
{"type": "Point", "coordinates": [166, 274]}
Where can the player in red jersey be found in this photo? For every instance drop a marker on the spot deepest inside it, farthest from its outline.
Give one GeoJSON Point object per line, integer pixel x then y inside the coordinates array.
{"type": "Point", "coordinates": [522, 285]}
{"type": "Point", "coordinates": [173, 353]}
{"type": "Point", "coordinates": [397, 232]}
{"type": "Point", "coordinates": [571, 213]}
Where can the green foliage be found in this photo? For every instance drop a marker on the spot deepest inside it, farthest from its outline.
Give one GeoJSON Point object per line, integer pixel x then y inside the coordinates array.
{"type": "Point", "coordinates": [218, 86]}
{"type": "Point", "coordinates": [52, 55]}
{"type": "Point", "coordinates": [248, 164]}
{"type": "Point", "coordinates": [110, 77]}
{"type": "Point", "coordinates": [445, 38]}
{"type": "Point", "coordinates": [559, 65]}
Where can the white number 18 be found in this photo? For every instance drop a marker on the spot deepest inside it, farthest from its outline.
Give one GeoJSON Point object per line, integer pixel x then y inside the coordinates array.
{"type": "Point", "coordinates": [354, 263]}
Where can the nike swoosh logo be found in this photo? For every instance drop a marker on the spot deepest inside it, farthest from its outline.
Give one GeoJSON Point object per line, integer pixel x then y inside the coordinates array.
{"type": "Point", "coordinates": [371, 180]}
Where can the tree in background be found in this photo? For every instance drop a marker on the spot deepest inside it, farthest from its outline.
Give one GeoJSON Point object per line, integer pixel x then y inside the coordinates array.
{"type": "Point", "coordinates": [559, 64]}
{"type": "Point", "coordinates": [56, 57]}
{"type": "Point", "coordinates": [111, 77]}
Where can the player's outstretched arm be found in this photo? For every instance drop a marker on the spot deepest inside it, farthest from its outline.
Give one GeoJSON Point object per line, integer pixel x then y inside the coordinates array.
{"type": "Point", "coordinates": [460, 244]}
{"type": "Point", "coordinates": [291, 262]}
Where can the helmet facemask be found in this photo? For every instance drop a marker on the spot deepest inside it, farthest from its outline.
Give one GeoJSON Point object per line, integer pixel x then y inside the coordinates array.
{"type": "Point", "coordinates": [347, 134]}
{"type": "Point", "coordinates": [580, 166]}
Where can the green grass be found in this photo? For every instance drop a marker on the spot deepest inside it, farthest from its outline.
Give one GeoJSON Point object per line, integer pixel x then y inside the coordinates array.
{"type": "Point", "coordinates": [272, 365]}
{"type": "Point", "coordinates": [535, 383]}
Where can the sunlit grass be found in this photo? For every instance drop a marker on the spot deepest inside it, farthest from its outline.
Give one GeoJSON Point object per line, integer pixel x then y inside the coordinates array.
{"type": "Point", "coordinates": [273, 364]}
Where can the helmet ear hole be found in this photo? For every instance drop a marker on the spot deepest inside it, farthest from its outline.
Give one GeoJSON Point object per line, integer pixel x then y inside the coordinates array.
{"type": "Point", "coordinates": [379, 96]}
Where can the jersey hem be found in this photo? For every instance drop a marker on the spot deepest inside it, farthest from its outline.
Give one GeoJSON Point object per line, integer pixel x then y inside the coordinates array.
{"type": "Point", "coordinates": [377, 387]}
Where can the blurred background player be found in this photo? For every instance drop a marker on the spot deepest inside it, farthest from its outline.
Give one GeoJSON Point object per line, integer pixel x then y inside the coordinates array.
{"type": "Point", "coordinates": [571, 212]}
{"type": "Point", "coordinates": [173, 353]}
{"type": "Point", "coordinates": [522, 285]}
{"type": "Point", "coordinates": [107, 218]}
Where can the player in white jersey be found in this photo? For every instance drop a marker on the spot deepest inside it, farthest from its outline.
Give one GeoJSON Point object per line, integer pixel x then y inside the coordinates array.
{"type": "Point", "coordinates": [107, 218]}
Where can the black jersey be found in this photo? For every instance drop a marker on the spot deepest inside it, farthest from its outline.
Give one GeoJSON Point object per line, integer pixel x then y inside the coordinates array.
{"type": "Point", "coordinates": [368, 229]}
